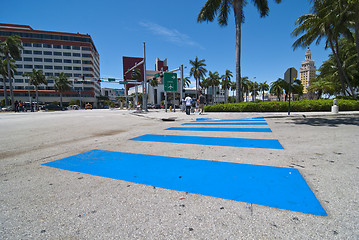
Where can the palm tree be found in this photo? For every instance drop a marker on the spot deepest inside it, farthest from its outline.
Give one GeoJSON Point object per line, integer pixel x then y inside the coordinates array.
{"type": "Point", "coordinates": [186, 82]}
{"type": "Point", "coordinates": [11, 48]}
{"type": "Point", "coordinates": [276, 88]}
{"type": "Point", "coordinates": [213, 80]}
{"type": "Point", "coordinates": [36, 77]}
{"type": "Point", "coordinates": [62, 85]}
{"type": "Point", "coordinates": [226, 81]}
{"type": "Point", "coordinates": [245, 86]}
{"type": "Point", "coordinates": [198, 71]}
{"type": "Point", "coordinates": [263, 87]}
{"type": "Point", "coordinates": [323, 23]}
{"type": "Point", "coordinates": [223, 8]}
{"type": "Point", "coordinates": [233, 88]}
{"type": "Point", "coordinates": [253, 87]}
{"type": "Point", "coordinates": [4, 73]}
{"type": "Point", "coordinates": [297, 88]}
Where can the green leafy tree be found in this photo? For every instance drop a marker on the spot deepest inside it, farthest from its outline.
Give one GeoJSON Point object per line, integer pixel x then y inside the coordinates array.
{"type": "Point", "coordinates": [4, 73]}
{"type": "Point", "coordinates": [245, 84]}
{"type": "Point", "coordinates": [276, 88]}
{"type": "Point", "coordinates": [198, 71]}
{"type": "Point", "coordinates": [226, 83]}
{"type": "Point", "coordinates": [222, 8]}
{"type": "Point", "coordinates": [213, 80]}
{"type": "Point", "coordinates": [186, 82]}
{"type": "Point", "coordinates": [11, 49]}
{"type": "Point", "coordinates": [324, 22]}
{"type": "Point", "coordinates": [62, 84]}
{"type": "Point", "coordinates": [263, 87]}
{"type": "Point", "coordinates": [233, 89]}
{"type": "Point", "coordinates": [36, 77]}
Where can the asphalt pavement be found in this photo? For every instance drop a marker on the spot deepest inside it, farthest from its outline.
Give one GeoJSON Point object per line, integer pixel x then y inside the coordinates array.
{"type": "Point", "coordinates": [42, 202]}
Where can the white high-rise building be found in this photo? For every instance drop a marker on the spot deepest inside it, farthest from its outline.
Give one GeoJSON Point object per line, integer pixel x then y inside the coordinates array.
{"type": "Point", "coordinates": [55, 52]}
{"type": "Point", "coordinates": [307, 71]}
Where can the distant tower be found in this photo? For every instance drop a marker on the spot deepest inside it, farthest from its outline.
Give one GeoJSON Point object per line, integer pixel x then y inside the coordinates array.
{"type": "Point", "coordinates": [307, 71]}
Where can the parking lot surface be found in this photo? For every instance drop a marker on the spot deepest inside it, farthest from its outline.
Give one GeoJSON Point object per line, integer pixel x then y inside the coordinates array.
{"type": "Point", "coordinates": [41, 202]}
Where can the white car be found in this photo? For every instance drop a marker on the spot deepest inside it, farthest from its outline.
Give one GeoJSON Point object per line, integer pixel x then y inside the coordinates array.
{"type": "Point", "coordinates": [73, 107]}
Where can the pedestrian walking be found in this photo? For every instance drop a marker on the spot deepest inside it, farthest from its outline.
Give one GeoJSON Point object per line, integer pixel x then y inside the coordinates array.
{"type": "Point", "coordinates": [188, 101]}
{"type": "Point", "coordinates": [201, 101]}
{"type": "Point", "coordinates": [16, 106]}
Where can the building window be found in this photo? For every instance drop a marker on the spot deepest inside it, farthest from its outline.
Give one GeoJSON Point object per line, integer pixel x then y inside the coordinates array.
{"type": "Point", "coordinates": [77, 61]}
{"type": "Point", "coordinates": [86, 48]}
{"type": "Point", "coordinates": [67, 54]}
{"type": "Point", "coordinates": [77, 68]}
{"type": "Point", "coordinates": [67, 68]}
{"type": "Point", "coordinates": [27, 44]}
{"type": "Point", "coordinates": [67, 61]}
{"type": "Point", "coordinates": [47, 60]}
{"type": "Point", "coordinates": [48, 74]}
{"type": "Point", "coordinates": [86, 55]}
{"type": "Point", "coordinates": [39, 67]}
{"type": "Point", "coordinates": [86, 62]}
{"type": "Point", "coordinates": [18, 65]}
{"type": "Point", "coordinates": [47, 46]}
{"type": "Point", "coordinates": [57, 46]}
{"type": "Point", "coordinates": [75, 48]}
{"type": "Point", "coordinates": [77, 75]}
{"type": "Point", "coordinates": [50, 81]}
{"type": "Point", "coordinates": [76, 54]}
{"type": "Point", "coordinates": [37, 59]}
{"type": "Point", "coordinates": [68, 74]}
{"type": "Point", "coordinates": [27, 52]}
{"type": "Point", "coordinates": [49, 67]}
{"type": "Point", "coordinates": [28, 66]}
{"type": "Point", "coordinates": [66, 47]}
{"type": "Point", "coordinates": [17, 73]}
{"type": "Point", "coordinates": [58, 53]}
{"type": "Point", "coordinates": [37, 45]}
{"type": "Point", "coordinates": [19, 81]}
{"type": "Point", "coordinates": [87, 69]}
{"type": "Point", "coordinates": [58, 67]}
{"type": "Point", "coordinates": [58, 60]}
{"type": "Point", "coordinates": [27, 59]}
{"type": "Point", "coordinates": [37, 52]}
{"type": "Point", "coordinates": [47, 53]}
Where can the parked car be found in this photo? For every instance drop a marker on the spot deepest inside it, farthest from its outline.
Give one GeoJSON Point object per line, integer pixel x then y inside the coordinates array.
{"type": "Point", "coordinates": [73, 107]}
{"type": "Point", "coordinates": [88, 106]}
{"type": "Point", "coordinates": [53, 107]}
{"type": "Point", "coordinates": [7, 109]}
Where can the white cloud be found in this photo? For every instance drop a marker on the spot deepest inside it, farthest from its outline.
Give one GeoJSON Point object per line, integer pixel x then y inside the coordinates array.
{"type": "Point", "coordinates": [170, 35]}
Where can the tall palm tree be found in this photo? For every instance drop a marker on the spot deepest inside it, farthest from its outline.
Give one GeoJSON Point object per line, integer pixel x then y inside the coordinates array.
{"type": "Point", "coordinates": [223, 8]}
{"type": "Point", "coordinates": [263, 87]}
{"type": "Point", "coordinates": [245, 82]}
{"type": "Point", "coordinates": [253, 87]}
{"type": "Point", "coordinates": [36, 77]}
{"type": "Point", "coordinates": [4, 73]}
{"type": "Point", "coordinates": [186, 82]}
{"type": "Point", "coordinates": [198, 71]}
{"type": "Point", "coordinates": [233, 88]}
{"type": "Point", "coordinates": [276, 88]}
{"type": "Point", "coordinates": [226, 81]}
{"type": "Point", "coordinates": [62, 84]}
{"type": "Point", "coordinates": [11, 48]}
{"type": "Point", "coordinates": [213, 80]}
{"type": "Point", "coordinates": [323, 23]}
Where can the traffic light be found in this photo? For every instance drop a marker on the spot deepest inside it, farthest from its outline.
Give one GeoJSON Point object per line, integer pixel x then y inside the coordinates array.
{"type": "Point", "coordinates": [83, 78]}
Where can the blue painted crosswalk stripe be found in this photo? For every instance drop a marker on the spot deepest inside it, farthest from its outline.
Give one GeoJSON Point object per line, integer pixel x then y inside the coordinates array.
{"type": "Point", "coordinates": [277, 187]}
{"type": "Point", "coordinates": [213, 129]}
{"type": "Point", "coordinates": [213, 141]}
{"type": "Point", "coordinates": [225, 123]}
{"type": "Point", "coordinates": [229, 120]}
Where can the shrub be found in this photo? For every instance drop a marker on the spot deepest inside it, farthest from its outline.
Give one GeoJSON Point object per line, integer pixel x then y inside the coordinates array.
{"type": "Point", "coordinates": [323, 105]}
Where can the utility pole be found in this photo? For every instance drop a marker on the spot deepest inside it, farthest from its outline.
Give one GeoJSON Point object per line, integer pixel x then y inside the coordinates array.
{"type": "Point", "coordinates": [144, 85]}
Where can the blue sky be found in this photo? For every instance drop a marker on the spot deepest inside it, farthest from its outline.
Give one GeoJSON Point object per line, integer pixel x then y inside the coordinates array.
{"type": "Point", "coordinates": [171, 31]}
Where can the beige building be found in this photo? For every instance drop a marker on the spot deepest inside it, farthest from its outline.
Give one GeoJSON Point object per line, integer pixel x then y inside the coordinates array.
{"type": "Point", "coordinates": [307, 71]}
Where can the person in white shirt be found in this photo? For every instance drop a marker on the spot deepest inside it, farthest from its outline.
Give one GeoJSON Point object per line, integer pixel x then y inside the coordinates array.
{"type": "Point", "coordinates": [188, 101]}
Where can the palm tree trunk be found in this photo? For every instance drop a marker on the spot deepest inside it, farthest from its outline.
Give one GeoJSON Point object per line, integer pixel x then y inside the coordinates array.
{"type": "Point", "coordinates": [196, 88]}
{"type": "Point", "coordinates": [238, 7]}
{"type": "Point", "coordinates": [61, 99]}
{"type": "Point", "coordinates": [5, 92]}
{"type": "Point", "coordinates": [356, 32]}
{"type": "Point", "coordinates": [37, 98]}
{"type": "Point", "coordinates": [10, 81]}
{"type": "Point", "coordinates": [263, 96]}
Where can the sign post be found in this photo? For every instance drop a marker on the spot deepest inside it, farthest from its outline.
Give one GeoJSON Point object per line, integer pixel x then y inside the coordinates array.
{"type": "Point", "coordinates": [170, 85]}
{"type": "Point", "coordinates": [290, 74]}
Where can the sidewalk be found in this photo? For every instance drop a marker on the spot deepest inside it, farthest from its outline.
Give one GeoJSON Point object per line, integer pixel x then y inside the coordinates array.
{"type": "Point", "coordinates": [178, 115]}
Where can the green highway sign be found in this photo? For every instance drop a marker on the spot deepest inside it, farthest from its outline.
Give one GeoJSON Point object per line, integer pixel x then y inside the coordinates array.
{"type": "Point", "coordinates": [123, 82]}
{"type": "Point", "coordinates": [170, 82]}
{"type": "Point", "coordinates": [111, 79]}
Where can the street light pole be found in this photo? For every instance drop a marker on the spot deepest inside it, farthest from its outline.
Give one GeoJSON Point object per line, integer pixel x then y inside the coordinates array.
{"type": "Point", "coordinates": [144, 85]}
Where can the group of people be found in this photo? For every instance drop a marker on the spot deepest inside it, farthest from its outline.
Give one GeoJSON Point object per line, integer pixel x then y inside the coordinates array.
{"type": "Point", "coordinates": [188, 101]}
{"type": "Point", "coordinates": [21, 106]}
